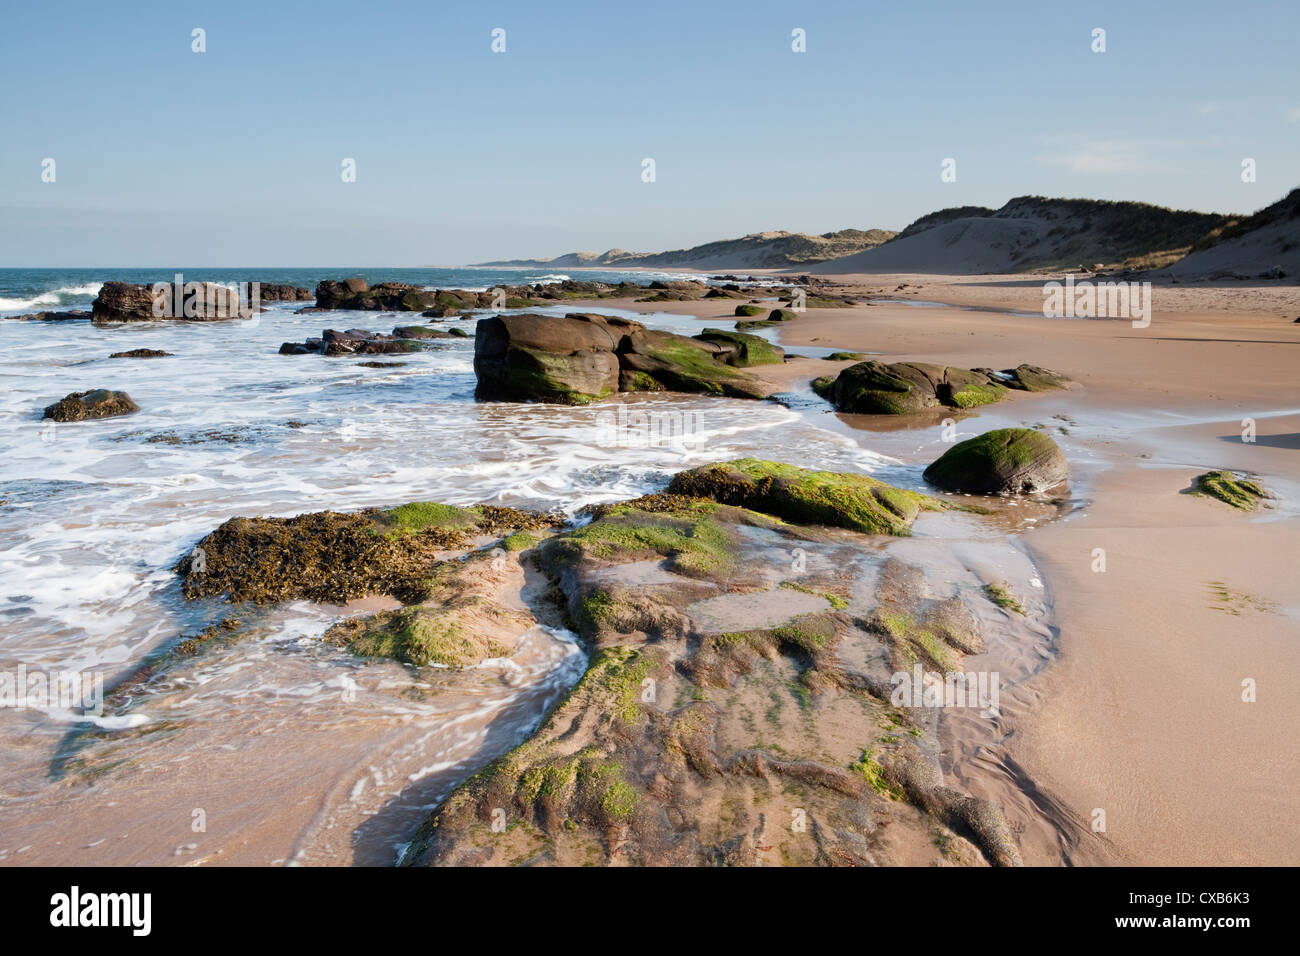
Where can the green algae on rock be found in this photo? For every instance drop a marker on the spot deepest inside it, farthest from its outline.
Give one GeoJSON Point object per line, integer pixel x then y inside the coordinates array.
{"type": "Point", "coordinates": [875, 388]}
{"type": "Point", "coordinates": [1231, 488]}
{"type": "Point", "coordinates": [749, 310]}
{"type": "Point", "coordinates": [795, 494]}
{"type": "Point", "coordinates": [460, 621]}
{"type": "Point", "coordinates": [334, 557]}
{"type": "Point", "coordinates": [1002, 461]}
{"type": "Point", "coordinates": [743, 350]}
{"type": "Point", "coordinates": [639, 765]}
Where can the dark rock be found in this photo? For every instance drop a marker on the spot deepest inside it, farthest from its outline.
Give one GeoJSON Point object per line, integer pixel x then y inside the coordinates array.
{"type": "Point", "coordinates": [540, 358]}
{"type": "Point", "coordinates": [874, 388]}
{"type": "Point", "coordinates": [97, 403]}
{"type": "Point", "coordinates": [73, 315]}
{"type": "Point", "coordinates": [141, 353]}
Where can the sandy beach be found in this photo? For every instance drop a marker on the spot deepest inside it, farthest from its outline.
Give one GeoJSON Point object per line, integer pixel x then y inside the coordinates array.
{"type": "Point", "coordinates": [1141, 715]}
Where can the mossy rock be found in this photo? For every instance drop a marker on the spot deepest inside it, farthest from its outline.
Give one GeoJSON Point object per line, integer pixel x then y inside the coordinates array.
{"type": "Point", "coordinates": [1003, 461]}
{"type": "Point", "coordinates": [809, 497]}
{"type": "Point", "coordinates": [749, 310]}
{"type": "Point", "coordinates": [455, 634]}
{"type": "Point", "coordinates": [744, 350]}
{"type": "Point", "coordinates": [1231, 488]}
{"type": "Point", "coordinates": [694, 543]}
{"type": "Point", "coordinates": [334, 557]}
{"type": "Point", "coordinates": [682, 364]}
{"type": "Point", "coordinates": [874, 388]}
{"type": "Point", "coordinates": [844, 357]}
{"type": "Point", "coordinates": [782, 315]}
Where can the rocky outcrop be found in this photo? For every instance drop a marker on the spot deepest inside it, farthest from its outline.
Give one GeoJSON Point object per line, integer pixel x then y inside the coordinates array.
{"type": "Point", "coordinates": [328, 556]}
{"type": "Point", "coordinates": [358, 294]}
{"type": "Point", "coordinates": [1004, 461]}
{"type": "Point", "coordinates": [141, 353]}
{"type": "Point", "coordinates": [363, 342]}
{"type": "Point", "coordinates": [586, 356]}
{"type": "Point", "coordinates": [272, 292]}
{"type": "Point", "coordinates": [97, 403]}
{"type": "Point", "coordinates": [724, 698]}
{"type": "Point", "coordinates": [875, 388]}
{"type": "Point", "coordinates": [70, 316]}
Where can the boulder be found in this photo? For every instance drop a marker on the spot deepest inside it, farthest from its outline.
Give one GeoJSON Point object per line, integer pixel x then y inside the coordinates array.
{"type": "Point", "coordinates": [533, 357]}
{"type": "Point", "coordinates": [741, 350]}
{"type": "Point", "coordinates": [1003, 461]}
{"type": "Point", "coordinates": [875, 388]}
{"type": "Point", "coordinates": [653, 360]}
{"type": "Point", "coordinates": [97, 403]}
{"type": "Point", "coordinates": [123, 302]}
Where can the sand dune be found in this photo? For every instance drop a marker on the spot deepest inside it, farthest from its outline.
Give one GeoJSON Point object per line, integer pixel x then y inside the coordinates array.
{"type": "Point", "coordinates": [760, 250]}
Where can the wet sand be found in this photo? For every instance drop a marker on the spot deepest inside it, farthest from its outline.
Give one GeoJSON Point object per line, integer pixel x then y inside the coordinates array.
{"type": "Point", "coordinates": [1141, 714]}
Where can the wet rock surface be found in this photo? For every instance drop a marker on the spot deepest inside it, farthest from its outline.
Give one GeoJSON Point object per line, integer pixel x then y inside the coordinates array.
{"type": "Point", "coordinates": [96, 403]}
{"type": "Point", "coordinates": [877, 388]}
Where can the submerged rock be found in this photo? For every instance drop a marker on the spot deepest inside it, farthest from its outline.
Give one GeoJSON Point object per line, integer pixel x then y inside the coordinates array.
{"type": "Point", "coordinates": [1003, 461]}
{"type": "Point", "coordinates": [97, 403]}
{"type": "Point", "coordinates": [73, 315]}
{"type": "Point", "coordinates": [360, 342]}
{"type": "Point", "coordinates": [141, 353]}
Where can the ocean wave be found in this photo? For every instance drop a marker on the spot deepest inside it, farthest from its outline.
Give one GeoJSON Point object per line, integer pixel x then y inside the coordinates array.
{"type": "Point", "coordinates": [60, 296]}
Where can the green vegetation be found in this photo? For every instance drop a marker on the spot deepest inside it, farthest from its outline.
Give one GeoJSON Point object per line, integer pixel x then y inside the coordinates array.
{"type": "Point", "coordinates": [749, 310]}
{"type": "Point", "coordinates": [1000, 594]}
{"type": "Point", "coordinates": [836, 602]}
{"type": "Point", "coordinates": [796, 494]}
{"type": "Point", "coordinates": [1230, 488]}
{"type": "Point", "coordinates": [870, 771]}
{"type": "Point", "coordinates": [419, 516]}
{"type": "Point", "coordinates": [693, 541]}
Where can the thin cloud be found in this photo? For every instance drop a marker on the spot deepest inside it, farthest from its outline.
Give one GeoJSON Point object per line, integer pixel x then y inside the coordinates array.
{"type": "Point", "coordinates": [1100, 156]}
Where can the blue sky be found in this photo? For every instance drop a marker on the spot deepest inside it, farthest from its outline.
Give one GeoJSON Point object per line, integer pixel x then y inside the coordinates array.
{"type": "Point", "coordinates": [232, 157]}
